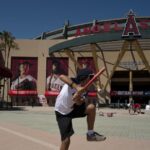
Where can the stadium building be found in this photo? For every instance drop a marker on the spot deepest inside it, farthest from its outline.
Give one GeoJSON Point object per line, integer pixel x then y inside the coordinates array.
{"type": "Point", "coordinates": [122, 46]}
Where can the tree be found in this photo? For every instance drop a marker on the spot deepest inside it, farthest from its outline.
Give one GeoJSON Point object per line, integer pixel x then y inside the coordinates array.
{"type": "Point", "coordinates": [7, 44]}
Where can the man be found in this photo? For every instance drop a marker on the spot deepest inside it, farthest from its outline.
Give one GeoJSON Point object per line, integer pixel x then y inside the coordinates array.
{"type": "Point", "coordinates": [70, 104]}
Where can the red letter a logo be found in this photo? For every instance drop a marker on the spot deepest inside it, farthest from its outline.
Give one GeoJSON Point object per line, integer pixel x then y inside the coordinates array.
{"type": "Point", "coordinates": [131, 26]}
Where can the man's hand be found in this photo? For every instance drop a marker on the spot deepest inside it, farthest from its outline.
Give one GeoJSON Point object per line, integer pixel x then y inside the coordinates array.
{"type": "Point", "coordinates": [77, 97]}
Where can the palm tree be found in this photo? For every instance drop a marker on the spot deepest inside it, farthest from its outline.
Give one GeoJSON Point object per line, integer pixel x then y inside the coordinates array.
{"type": "Point", "coordinates": [7, 44]}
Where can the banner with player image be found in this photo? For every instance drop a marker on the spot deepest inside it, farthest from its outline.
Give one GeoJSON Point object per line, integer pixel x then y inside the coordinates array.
{"type": "Point", "coordinates": [24, 70]}
{"type": "Point", "coordinates": [87, 62]}
{"type": "Point", "coordinates": [55, 67]}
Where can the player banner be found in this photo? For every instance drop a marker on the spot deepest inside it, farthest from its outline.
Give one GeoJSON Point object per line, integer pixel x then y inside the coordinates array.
{"type": "Point", "coordinates": [87, 62]}
{"type": "Point", "coordinates": [24, 70]}
{"type": "Point", "coordinates": [55, 67]}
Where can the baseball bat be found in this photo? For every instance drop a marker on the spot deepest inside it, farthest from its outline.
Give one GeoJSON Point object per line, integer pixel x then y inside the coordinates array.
{"type": "Point", "coordinates": [94, 78]}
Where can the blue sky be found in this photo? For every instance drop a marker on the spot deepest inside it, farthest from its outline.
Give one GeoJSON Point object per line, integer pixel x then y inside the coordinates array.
{"type": "Point", "coordinates": [26, 19]}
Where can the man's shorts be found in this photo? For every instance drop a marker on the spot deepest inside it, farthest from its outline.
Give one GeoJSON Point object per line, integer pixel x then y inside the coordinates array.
{"type": "Point", "coordinates": [65, 121]}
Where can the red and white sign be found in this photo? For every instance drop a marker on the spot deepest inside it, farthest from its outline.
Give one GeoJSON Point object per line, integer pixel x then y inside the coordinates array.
{"type": "Point", "coordinates": [131, 27]}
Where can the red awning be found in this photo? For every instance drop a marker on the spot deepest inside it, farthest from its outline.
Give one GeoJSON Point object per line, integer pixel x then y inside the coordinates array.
{"type": "Point", "coordinates": [5, 72]}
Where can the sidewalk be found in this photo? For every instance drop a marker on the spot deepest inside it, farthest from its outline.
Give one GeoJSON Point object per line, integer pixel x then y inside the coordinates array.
{"type": "Point", "coordinates": [36, 129]}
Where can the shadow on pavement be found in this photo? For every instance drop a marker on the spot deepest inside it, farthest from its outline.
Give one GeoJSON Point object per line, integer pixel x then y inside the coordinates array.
{"type": "Point", "coordinates": [14, 108]}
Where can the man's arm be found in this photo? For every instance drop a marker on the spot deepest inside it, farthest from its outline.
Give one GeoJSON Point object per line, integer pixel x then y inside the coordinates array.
{"type": "Point", "coordinates": [72, 84]}
{"type": "Point", "coordinates": [77, 96]}
{"type": "Point", "coordinates": [67, 80]}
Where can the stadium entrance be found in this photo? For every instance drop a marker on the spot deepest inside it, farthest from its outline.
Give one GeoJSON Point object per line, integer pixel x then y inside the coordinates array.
{"type": "Point", "coordinates": [121, 90]}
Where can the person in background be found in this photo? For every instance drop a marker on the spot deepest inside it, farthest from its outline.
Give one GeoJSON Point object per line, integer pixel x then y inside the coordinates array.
{"type": "Point", "coordinates": [70, 104]}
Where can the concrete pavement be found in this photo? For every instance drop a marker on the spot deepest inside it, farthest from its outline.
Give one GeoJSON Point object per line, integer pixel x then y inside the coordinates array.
{"type": "Point", "coordinates": [36, 128]}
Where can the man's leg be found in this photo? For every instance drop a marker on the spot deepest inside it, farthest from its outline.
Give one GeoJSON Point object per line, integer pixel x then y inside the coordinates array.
{"type": "Point", "coordinates": [66, 130]}
{"type": "Point", "coordinates": [92, 135]}
{"type": "Point", "coordinates": [91, 113]}
{"type": "Point", "coordinates": [65, 144]}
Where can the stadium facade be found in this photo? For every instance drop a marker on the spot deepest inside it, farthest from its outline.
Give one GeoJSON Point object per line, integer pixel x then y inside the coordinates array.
{"type": "Point", "coordinates": [122, 46]}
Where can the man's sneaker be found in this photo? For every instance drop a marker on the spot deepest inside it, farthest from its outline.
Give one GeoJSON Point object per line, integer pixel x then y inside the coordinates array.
{"type": "Point", "coordinates": [95, 137]}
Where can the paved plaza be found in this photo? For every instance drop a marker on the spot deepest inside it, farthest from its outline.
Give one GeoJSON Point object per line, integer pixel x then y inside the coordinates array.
{"type": "Point", "coordinates": [35, 128]}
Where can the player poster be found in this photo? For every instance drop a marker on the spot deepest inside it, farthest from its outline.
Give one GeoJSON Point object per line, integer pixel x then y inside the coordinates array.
{"type": "Point", "coordinates": [55, 67]}
{"type": "Point", "coordinates": [24, 70]}
{"type": "Point", "coordinates": [87, 62]}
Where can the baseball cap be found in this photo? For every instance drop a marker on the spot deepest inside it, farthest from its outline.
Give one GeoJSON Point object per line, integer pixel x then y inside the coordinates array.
{"type": "Point", "coordinates": [84, 74]}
